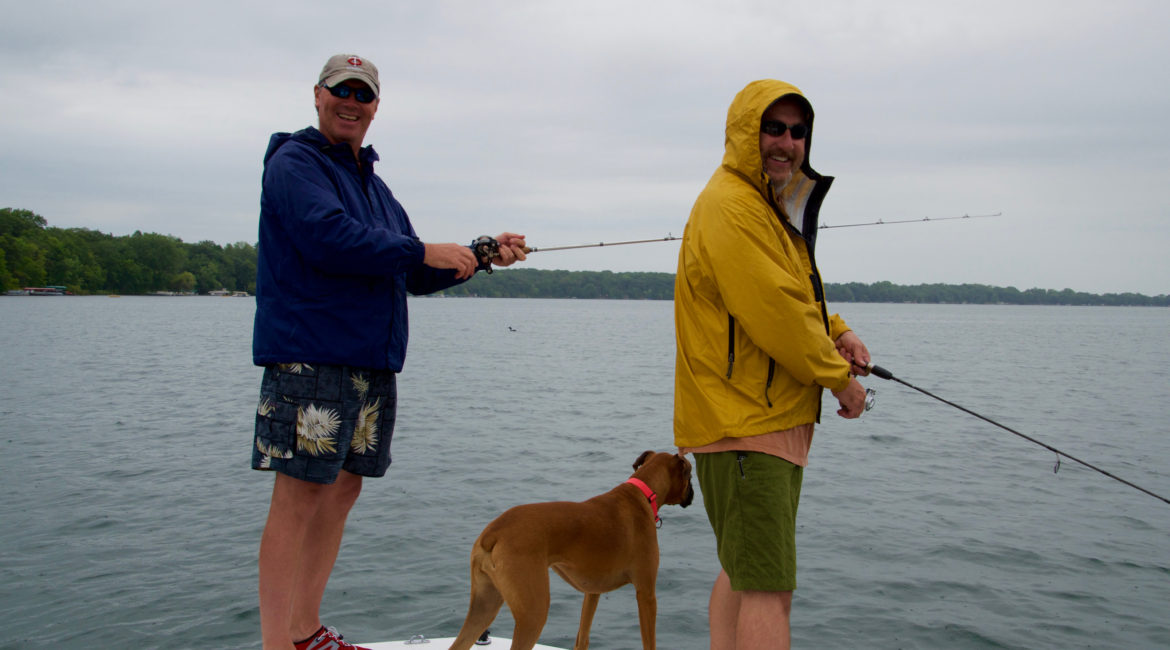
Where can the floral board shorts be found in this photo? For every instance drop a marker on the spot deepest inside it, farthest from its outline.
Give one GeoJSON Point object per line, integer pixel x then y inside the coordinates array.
{"type": "Point", "coordinates": [315, 420]}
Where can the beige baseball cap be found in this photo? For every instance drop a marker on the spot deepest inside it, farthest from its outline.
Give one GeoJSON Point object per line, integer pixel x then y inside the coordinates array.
{"type": "Point", "coordinates": [340, 67]}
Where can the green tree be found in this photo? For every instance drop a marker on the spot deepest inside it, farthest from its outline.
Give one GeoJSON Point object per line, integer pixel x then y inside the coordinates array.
{"type": "Point", "coordinates": [160, 256]}
{"type": "Point", "coordinates": [19, 223]}
{"type": "Point", "coordinates": [69, 261]}
{"type": "Point", "coordinates": [25, 260]}
{"type": "Point", "coordinates": [184, 282]}
{"type": "Point", "coordinates": [208, 262]}
{"type": "Point", "coordinates": [240, 259]}
{"type": "Point", "coordinates": [6, 280]}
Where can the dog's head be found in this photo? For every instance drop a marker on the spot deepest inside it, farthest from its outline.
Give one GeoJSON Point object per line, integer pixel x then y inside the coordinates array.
{"type": "Point", "coordinates": [675, 485]}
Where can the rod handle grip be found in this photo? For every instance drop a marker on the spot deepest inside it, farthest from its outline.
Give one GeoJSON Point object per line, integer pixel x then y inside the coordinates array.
{"type": "Point", "coordinates": [879, 371]}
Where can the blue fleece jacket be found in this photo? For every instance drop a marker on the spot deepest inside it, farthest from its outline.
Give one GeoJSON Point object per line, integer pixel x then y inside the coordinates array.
{"type": "Point", "coordinates": [337, 255]}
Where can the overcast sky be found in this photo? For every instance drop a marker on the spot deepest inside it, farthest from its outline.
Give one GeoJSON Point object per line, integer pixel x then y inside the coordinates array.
{"type": "Point", "coordinates": [587, 121]}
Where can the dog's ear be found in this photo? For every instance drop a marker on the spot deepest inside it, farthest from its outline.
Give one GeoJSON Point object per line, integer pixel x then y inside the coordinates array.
{"type": "Point", "coordinates": [685, 468]}
{"type": "Point", "coordinates": [689, 497]}
{"type": "Point", "coordinates": [642, 459]}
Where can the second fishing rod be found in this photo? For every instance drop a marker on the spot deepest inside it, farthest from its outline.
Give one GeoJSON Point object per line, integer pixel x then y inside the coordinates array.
{"type": "Point", "coordinates": [882, 373]}
{"type": "Point", "coordinates": [487, 248]}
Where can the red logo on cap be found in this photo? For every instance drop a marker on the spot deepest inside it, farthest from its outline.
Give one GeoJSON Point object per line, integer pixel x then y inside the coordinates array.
{"type": "Point", "coordinates": [353, 60]}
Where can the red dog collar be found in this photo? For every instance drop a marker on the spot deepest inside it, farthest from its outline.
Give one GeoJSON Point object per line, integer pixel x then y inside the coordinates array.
{"type": "Point", "coordinates": [641, 485]}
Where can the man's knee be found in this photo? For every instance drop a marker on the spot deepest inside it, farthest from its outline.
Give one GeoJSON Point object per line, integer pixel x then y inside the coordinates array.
{"type": "Point", "coordinates": [772, 602]}
{"type": "Point", "coordinates": [293, 495]}
{"type": "Point", "coordinates": [346, 489]}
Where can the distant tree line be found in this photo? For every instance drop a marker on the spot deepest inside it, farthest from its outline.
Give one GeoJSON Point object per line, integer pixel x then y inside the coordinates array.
{"type": "Point", "coordinates": [983, 295]}
{"type": "Point", "coordinates": [533, 283]}
{"type": "Point", "coordinates": [33, 254]}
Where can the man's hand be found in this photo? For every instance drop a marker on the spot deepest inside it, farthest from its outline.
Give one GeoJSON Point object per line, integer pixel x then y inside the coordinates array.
{"type": "Point", "coordinates": [854, 351]}
{"type": "Point", "coordinates": [451, 256]}
{"type": "Point", "coordinates": [511, 249]}
{"type": "Point", "coordinates": [851, 399]}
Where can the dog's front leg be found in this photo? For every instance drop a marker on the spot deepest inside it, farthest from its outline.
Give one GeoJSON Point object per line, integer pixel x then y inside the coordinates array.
{"type": "Point", "coordinates": [647, 614]}
{"type": "Point", "coordinates": [588, 608]}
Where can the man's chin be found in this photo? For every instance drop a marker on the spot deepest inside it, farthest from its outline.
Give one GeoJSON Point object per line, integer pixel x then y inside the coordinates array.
{"type": "Point", "coordinates": [779, 184]}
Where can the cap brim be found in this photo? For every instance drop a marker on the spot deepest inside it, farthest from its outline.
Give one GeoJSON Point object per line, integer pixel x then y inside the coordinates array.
{"type": "Point", "coordinates": [346, 75]}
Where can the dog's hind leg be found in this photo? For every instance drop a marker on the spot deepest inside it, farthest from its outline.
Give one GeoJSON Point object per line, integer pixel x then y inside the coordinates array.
{"type": "Point", "coordinates": [525, 588]}
{"type": "Point", "coordinates": [485, 604]}
{"type": "Point", "coordinates": [588, 608]}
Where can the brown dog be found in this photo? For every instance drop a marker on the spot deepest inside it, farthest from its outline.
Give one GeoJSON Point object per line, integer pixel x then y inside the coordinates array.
{"type": "Point", "coordinates": [596, 546]}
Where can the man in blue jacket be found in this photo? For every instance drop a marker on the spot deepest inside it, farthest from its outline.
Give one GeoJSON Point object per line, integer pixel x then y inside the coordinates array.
{"type": "Point", "coordinates": [337, 256]}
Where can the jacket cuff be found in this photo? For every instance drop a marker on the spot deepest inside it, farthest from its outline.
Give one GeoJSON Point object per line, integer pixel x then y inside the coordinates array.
{"type": "Point", "coordinates": [841, 385]}
{"type": "Point", "coordinates": [837, 327]}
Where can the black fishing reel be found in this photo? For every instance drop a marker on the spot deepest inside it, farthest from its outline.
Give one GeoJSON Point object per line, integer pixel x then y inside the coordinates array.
{"type": "Point", "coordinates": [486, 249]}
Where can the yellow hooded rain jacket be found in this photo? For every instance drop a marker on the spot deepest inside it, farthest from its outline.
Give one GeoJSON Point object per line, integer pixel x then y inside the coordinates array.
{"type": "Point", "coordinates": [754, 339]}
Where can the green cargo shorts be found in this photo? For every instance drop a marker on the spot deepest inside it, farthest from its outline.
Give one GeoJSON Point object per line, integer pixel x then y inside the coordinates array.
{"type": "Point", "coordinates": [751, 501]}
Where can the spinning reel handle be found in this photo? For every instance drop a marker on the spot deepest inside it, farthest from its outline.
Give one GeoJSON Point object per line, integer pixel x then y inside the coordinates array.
{"type": "Point", "coordinates": [486, 249]}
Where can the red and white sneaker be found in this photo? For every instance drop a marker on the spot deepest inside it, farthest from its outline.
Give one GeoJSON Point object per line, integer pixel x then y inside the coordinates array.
{"type": "Point", "coordinates": [326, 638]}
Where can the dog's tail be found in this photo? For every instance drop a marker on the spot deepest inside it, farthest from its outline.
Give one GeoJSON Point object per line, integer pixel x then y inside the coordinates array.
{"type": "Point", "coordinates": [481, 554]}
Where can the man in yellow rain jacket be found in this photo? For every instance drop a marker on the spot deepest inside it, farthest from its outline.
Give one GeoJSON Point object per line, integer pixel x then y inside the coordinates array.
{"type": "Point", "coordinates": [756, 346]}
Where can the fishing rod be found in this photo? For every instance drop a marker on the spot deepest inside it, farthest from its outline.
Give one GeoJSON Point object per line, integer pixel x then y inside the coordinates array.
{"type": "Point", "coordinates": [886, 374]}
{"type": "Point", "coordinates": [487, 248]}
{"type": "Point", "coordinates": [880, 222]}
{"type": "Point", "coordinates": [534, 249]}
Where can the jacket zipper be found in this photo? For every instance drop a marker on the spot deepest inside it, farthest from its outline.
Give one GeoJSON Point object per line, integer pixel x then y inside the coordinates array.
{"type": "Point", "coordinates": [819, 294]}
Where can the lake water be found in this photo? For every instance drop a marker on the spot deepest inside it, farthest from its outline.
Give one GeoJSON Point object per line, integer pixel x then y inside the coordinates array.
{"type": "Point", "coordinates": [130, 517]}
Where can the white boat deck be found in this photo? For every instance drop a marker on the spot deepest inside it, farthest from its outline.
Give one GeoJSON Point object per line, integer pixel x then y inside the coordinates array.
{"type": "Point", "coordinates": [421, 643]}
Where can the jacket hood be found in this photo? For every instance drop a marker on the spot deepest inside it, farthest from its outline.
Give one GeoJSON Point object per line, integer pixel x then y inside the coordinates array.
{"type": "Point", "coordinates": [309, 136]}
{"type": "Point", "coordinates": [742, 137]}
{"type": "Point", "coordinates": [317, 140]}
{"type": "Point", "coordinates": [742, 153]}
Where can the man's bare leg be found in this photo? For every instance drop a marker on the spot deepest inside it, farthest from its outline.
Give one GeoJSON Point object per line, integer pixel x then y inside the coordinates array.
{"type": "Point", "coordinates": [763, 620]}
{"type": "Point", "coordinates": [291, 558]}
{"type": "Point", "coordinates": [723, 613]}
{"type": "Point", "coordinates": [748, 620]}
{"type": "Point", "coordinates": [319, 553]}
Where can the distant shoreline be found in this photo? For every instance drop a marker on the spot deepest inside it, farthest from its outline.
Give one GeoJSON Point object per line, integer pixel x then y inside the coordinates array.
{"type": "Point", "coordinates": [152, 264]}
{"type": "Point", "coordinates": [609, 285]}
{"type": "Point", "coordinates": [537, 283]}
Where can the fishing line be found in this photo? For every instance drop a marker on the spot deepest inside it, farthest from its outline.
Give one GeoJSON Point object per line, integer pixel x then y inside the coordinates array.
{"type": "Point", "coordinates": [886, 374]}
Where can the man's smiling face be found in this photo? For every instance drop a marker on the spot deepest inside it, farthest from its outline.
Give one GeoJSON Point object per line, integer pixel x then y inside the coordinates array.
{"type": "Point", "coordinates": [782, 155]}
{"type": "Point", "coordinates": [344, 120]}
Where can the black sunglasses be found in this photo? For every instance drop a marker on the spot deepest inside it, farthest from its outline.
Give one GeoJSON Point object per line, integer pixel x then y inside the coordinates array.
{"type": "Point", "coordinates": [363, 95]}
{"type": "Point", "coordinates": [776, 129]}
